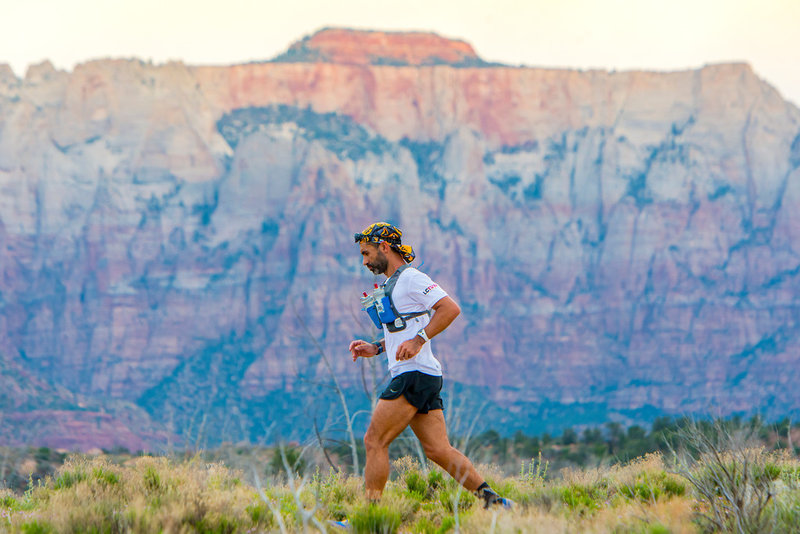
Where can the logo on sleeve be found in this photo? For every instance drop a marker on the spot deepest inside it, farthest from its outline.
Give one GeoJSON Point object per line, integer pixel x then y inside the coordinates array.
{"type": "Point", "coordinates": [428, 289]}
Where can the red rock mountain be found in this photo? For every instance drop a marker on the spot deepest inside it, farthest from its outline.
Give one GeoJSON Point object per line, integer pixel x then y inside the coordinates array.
{"type": "Point", "coordinates": [343, 46]}
{"type": "Point", "coordinates": [178, 258]}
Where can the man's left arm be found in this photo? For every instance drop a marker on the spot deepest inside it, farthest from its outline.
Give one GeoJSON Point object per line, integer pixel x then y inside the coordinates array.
{"type": "Point", "coordinates": [444, 312]}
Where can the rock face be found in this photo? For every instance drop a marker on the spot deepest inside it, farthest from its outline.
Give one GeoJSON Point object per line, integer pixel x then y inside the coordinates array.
{"type": "Point", "coordinates": [343, 46]}
{"type": "Point", "coordinates": [178, 264]}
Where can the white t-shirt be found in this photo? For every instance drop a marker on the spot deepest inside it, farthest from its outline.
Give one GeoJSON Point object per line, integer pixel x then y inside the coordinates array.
{"type": "Point", "coordinates": [413, 292]}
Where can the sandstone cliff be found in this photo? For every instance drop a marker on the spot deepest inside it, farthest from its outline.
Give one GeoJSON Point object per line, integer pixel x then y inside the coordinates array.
{"type": "Point", "coordinates": [343, 46]}
{"type": "Point", "coordinates": [177, 241]}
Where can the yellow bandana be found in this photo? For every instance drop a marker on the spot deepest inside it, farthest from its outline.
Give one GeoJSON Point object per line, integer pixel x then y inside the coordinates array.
{"type": "Point", "coordinates": [383, 231]}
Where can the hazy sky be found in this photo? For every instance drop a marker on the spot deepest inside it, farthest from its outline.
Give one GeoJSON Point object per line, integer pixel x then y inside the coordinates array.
{"type": "Point", "coordinates": [611, 34]}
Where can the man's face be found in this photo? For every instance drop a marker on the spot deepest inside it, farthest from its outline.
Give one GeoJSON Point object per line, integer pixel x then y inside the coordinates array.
{"type": "Point", "coordinates": [373, 258]}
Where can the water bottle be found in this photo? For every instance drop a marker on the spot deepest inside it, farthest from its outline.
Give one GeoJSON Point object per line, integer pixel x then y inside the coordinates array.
{"type": "Point", "coordinates": [366, 301]}
{"type": "Point", "coordinates": [368, 305]}
{"type": "Point", "coordinates": [378, 295]}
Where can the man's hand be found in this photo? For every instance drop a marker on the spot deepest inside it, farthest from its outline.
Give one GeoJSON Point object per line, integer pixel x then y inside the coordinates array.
{"type": "Point", "coordinates": [409, 348]}
{"type": "Point", "coordinates": [362, 349]}
{"type": "Point", "coordinates": [444, 311]}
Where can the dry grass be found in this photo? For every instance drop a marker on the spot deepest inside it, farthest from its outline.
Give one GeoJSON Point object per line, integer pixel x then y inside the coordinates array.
{"type": "Point", "coordinates": [146, 495]}
{"type": "Point", "coordinates": [154, 494]}
{"type": "Point", "coordinates": [739, 485]}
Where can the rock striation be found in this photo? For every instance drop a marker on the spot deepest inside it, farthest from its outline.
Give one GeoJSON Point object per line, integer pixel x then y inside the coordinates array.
{"type": "Point", "coordinates": [177, 247]}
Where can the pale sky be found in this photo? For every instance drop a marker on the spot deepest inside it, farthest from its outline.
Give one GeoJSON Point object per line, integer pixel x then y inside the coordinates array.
{"type": "Point", "coordinates": [607, 34]}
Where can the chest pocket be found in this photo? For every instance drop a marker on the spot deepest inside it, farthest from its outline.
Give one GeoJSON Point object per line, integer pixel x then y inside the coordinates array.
{"type": "Point", "coordinates": [381, 310]}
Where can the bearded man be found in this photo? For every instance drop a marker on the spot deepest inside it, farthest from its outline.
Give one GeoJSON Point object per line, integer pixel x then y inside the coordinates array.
{"type": "Point", "coordinates": [412, 398]}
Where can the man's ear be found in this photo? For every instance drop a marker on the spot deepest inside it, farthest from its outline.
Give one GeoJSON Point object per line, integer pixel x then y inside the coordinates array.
{"type": "Point", "coordinates": [384, 247]}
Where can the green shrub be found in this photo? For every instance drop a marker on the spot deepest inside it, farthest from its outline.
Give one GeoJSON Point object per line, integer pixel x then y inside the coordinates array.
{"type": "Point", "coordinates": [652, 486]}
{"type": "Point", "coordinates": [337, 489]}
{"type": "Point", "coordinates": [642, 528]}
{"type": "Point", "coordinates": [790, 475]}
{"type": "Point", "coordinates": [222, 525]}
{"type": "Point", "coordinates": [456, 500]}
{"type": "Point", "coordinates": [673, 487]}
{"type": "Point", "coordinates": [293, 458]}
{"type": "Point", "coordinates": [375, 519]}
{"type": "Point", "coordinates": [67, 479]}
{"type": "Point", "coordinates": [435, 480]}
{"type": "Point", "coordinates": [426, 525]}
{"type": "Point", "coordinates": [152, 480]}
{"type": "Point", "coordinates": [582, 499]}
{"type": "Point", "coordinates": [335, 492]}
{"type": "Point", "coordinates": [259, 513]}
{"type": "Point", "coordinates": [416, 485]}
{"type": "Point", "coordinates": [8, 501]}
{"type": "Point", "coordinates": [105, 476]}
{"type": "Point", "coordinates": [448, 523]}
{"type": "Point", "coordinates": [785, 513]}
{"type": "Point", "coordinates": [288, 507]}
{"type": "Point", "coordinates": [42, 454]}
{"type": "Point", "coordinates": [37, 527]}
{"type": "Point", "coordinates": [766, 473]}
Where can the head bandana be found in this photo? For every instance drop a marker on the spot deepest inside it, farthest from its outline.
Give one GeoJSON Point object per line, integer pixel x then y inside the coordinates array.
{"type": "Point", "coordinates": [382, 231]}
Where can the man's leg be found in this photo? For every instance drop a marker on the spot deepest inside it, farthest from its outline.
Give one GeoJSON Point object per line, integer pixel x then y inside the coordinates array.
{"type": "Point", "coordinates": [389, 419]}
{"type": "Point", "coordinates": [432, 433]}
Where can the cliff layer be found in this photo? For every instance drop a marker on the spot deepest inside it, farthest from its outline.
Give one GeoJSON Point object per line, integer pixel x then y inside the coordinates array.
{"type": "Point", "coordinates": [177, 241]}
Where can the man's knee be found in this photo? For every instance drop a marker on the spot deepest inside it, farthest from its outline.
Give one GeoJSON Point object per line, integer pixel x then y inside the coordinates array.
{"type": "Point", "coordinates": [369, 441]}
{"type": "Point", "coordinates": [372, 441]}
{"type": "Point", "coordinates": [439, 454]}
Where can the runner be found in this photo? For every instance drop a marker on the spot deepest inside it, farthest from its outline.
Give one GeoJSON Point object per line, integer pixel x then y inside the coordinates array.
{"type": "Point", "coordinates": [412, 397]}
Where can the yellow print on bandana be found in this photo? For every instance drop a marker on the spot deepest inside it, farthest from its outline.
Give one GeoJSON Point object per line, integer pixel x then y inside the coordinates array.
{"type": "Point", "coordinates": [383, 231]}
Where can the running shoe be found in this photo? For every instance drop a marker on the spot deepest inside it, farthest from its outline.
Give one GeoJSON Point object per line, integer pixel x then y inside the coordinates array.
{"type": "Point", "coordinates": [343, 524]}
{"type": "Point", "coordinates": [490, 498]}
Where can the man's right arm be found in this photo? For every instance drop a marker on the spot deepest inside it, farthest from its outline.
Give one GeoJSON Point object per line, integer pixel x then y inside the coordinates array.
{"type": "Point", "coordinates": [364, 349]}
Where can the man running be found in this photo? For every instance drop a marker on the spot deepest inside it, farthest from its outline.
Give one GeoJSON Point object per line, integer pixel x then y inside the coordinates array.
{"type": "Point", "coordinates": [412, 397]}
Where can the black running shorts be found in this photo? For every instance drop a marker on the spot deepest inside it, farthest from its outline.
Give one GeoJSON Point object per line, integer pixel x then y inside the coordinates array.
{"type": "Point", "coordinates": [419, 389]}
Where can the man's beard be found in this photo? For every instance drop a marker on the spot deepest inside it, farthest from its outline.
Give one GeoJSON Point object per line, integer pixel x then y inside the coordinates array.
{"type": "Point", "coordinates": [380, 264]}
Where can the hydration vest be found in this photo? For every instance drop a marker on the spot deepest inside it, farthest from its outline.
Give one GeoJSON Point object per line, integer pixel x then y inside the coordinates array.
{"type": "Point", "coordinates": [380, 308]}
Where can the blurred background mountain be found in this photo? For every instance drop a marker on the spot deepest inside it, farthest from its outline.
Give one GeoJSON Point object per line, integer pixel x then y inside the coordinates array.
{"type": "Point", "coordinates": [178, 265]}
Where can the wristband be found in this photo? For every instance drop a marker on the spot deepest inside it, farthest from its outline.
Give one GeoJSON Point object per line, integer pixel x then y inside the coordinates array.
{"type": "Point", "coordinates": [423, 335]}
{"type": "Point", "coordinates": [379, 347]}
